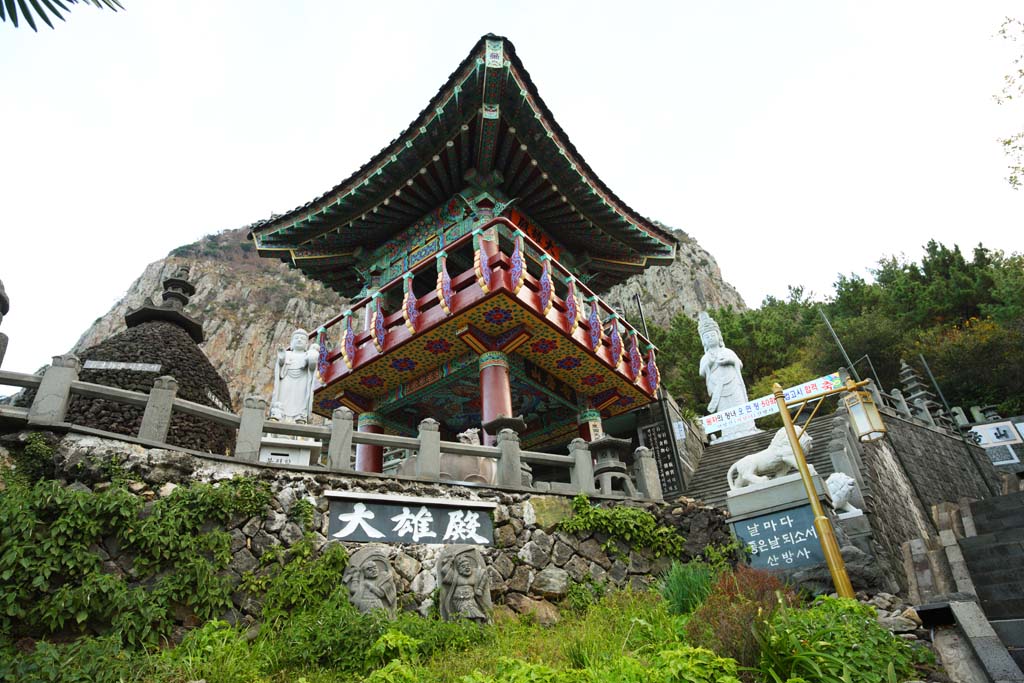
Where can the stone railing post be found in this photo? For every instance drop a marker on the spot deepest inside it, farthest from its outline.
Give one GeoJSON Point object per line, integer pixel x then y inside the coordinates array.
{"type": "Point", "coordinates": [339, 448]}
{"type": "Point", "coordinates": [428, 459]}
{"type": "Point", "coordinates": [923, 413]}
{"type": "Point", "coordinates": [156, 421]}
{"type": "Point", "coordinates": [54, 394]}
{"type": "Point", "coordinates": [582, 475]}
{"type": "Point", "coordinates": [901, 403]}
{"type": "Point", "coordinates": [5, 305]}
{"type": "Point", "coordinates": [250, 431]}
{"type": "Point", "coordinates": [645, 471]}
{"type": "Point", "coordinates": [510, 471]}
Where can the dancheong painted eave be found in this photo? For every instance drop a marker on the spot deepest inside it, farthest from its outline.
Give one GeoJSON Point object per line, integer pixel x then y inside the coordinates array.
{"type": "Point", "coordinates": [486, 128]}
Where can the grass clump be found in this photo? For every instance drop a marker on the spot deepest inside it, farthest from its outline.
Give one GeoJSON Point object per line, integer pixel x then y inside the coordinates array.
{"type": "Point", "coordinates": [740, 602]}
{"type": "Point", "coordinates": [835, 640]}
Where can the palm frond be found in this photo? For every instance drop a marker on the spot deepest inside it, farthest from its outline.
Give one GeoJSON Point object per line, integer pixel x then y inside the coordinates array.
{"type": "Point", "coordinates": [31, 10]}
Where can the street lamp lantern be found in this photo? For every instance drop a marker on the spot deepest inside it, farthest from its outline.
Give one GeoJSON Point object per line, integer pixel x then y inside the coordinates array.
{"type": "Point", "coordinates": [864, 415]}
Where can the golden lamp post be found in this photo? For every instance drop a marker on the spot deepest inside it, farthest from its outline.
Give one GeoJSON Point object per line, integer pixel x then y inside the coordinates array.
{"type": "Point", "coordinates": [868, 425]}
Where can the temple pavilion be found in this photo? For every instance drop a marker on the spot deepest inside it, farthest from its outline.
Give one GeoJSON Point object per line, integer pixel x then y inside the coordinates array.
{"type": "Point", "coordinates": [473, 249]}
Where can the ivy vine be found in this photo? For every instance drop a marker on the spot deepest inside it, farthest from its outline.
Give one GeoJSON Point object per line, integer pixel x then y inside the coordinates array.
{"type": "Point", "coordinates": [634, 526]}
{"type": "Point", "coordinates": [53, 577]}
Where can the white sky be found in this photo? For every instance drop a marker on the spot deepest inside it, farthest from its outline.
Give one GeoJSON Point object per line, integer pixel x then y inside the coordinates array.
{"type": "Point", "coordinates": [793, 140]}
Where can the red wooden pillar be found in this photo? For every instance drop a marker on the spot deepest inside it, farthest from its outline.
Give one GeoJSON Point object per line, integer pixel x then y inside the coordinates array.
{"type": "Point", "coordinates": [589, 422]}
{"type": "Point", "coordinates": [370, 458]}
{"type": "Point", "coordinates": [495, 390]}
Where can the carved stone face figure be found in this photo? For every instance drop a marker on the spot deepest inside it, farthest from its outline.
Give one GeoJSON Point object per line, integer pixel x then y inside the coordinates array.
{"type": "Point", "coordinates": [465, 588]}
{"type": "Point", "coordinates": [370, 581]}
{"type": "Point", "coordinates": [299, 342]}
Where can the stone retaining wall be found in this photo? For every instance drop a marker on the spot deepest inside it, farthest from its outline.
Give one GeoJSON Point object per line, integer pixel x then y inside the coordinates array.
{"type": "Point", "coordinates": [531, 565]}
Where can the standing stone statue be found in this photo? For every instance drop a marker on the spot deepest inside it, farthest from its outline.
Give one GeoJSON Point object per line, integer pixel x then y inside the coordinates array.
{"type": "Point", "coordinates": [720, 367]}
{"type": "Point", "coordinates": [465, 588]}
{"type": "Point", "coordinates": [370, 581]}
{"type": "Point", "coordinates": [293, 380]}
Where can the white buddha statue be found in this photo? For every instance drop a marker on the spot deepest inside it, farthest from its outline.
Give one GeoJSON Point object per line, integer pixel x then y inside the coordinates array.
{"type": "Point", "coordinates": [293, 380]}
{"type": "Point", "coordinates": [720, 367]}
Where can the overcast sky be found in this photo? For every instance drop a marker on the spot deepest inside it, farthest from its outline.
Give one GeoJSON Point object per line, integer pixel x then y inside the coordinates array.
{"type": "Point", "coordinates": [794, 140]}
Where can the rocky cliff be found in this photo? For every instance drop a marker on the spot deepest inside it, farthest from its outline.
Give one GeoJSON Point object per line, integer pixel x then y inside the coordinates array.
{"type": "Point", "coordinates": [693, 283]}
{"type": "Point", "coordinates": [249, 306]}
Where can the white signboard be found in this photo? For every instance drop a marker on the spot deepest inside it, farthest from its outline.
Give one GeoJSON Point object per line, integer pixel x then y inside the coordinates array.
{"type": "Point", "coordinates": [995, 434]}
{"type": "Point", "coordinates": [766, 405]}
{"type": "Point", "coordinates": [996, 438]}
{"type": "Point", "coordinates": [115, 365]}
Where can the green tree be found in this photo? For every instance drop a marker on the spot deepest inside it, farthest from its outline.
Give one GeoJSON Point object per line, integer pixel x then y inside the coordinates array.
{"type": "Point", "coordinates": [1013, 85]}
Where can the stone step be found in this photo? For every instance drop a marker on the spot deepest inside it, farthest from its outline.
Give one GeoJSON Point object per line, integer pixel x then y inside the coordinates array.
{"type": "Point", "coordinates": [1007, 537]}
{"type": "Point", "coordinates": [1010, 631]}
{"type": "Point", "coordinates": [980, 567]}
{"type": "Point", "coordinates": [1010, 590]}
{"type": "Point", "coordinates": [1010, 501]}
{"type": "Point", "coordinates": [1006, 572]}
{"type": "Point", "coordinates": [1012, 608]}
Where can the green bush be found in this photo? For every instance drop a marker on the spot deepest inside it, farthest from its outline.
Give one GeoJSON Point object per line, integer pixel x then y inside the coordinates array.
{"type": "Point", "coordinates": [88, 660]}
{"type": "Point", "coordinates": [51, 579]}
{"type": "Point", "coordinates": [740, 602]}
{"type": "Point", "coordinates": [835, 640]}
{"type": "Point", "coordinates": [686, 586]}
{"type": "Point", "coordinates": [216, 652]}
{"type": "Point", "coordinates": [632, 525]}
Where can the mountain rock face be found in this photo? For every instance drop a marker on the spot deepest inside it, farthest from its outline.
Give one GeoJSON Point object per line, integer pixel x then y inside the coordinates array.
{"type": "Point", "coordinates": [249, 306]}
{"type": "Point", "coordinates": [693, 283]}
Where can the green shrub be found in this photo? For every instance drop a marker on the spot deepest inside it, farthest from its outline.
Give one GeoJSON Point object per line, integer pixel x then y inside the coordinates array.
{"type": "Point", "coordinates": [304, 580]}
{"type": "Point", "coordinates": [582, 595]}
{"type": "Point", "coordinates": [835, 640]}
{"type": "Point", "coordinates": [740, 602]}
{"type": "Point", "coordinates": [216, 652]}
{"type": "Point", "coordinates": [87, 660]}
{"type": "Point", "coordinates": [685, 586]}
{"type": "Point", "coordinates": [51, 579]}
{"type": "Point", "coordinates": [632, 525]}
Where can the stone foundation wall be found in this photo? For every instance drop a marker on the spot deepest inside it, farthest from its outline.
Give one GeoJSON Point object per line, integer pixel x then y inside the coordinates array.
{"type": "Point", "coordinates": [910, 470]}
{"type": "Point", "coordinates": [940, 464]}
{"type": "Point", "coordinates": [530, 566]}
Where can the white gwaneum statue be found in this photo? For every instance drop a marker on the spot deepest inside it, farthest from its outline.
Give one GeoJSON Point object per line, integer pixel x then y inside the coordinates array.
{"type": "Point", "coordinates": [720, 367]}
{"type": "Point", "coordinates": [293, 380]}
{"type": "Point", "coordinates": [760, 468]}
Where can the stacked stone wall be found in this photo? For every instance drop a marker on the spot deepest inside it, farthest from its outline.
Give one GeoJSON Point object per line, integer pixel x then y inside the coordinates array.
{"type": "Point", "coordinates": [170, 347]}
{"type": "Point", "coordinates": [939, 463]}
{"type": "Point", "coordinates": [530, 566]}
{"type": "Point", "coordinates": [910, 470]}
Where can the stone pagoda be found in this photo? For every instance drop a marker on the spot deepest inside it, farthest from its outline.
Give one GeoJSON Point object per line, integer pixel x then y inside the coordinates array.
{"type": "Point", "coordinates": [161, 342]}
{"type": "Point", "coordinates": [474, 248]}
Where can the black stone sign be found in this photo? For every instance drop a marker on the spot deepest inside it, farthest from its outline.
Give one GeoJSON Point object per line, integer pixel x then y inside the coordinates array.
{"type": "Point", "coordinates": [781, 540]}
{"type": "Point", "coordinates": [403, 519]}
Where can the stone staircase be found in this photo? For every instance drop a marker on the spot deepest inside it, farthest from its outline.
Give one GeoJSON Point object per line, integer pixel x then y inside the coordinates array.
{"type": "Point", "coordinates": [709, 484]}
{"type": "Point", "coordinates": [995, 560]}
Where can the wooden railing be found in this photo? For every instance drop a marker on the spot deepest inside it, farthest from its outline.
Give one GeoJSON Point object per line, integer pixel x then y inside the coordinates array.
{"type": "Point", "coordinates": [59, 383]}
{"type": "Point", "coordinates": [608, 335]}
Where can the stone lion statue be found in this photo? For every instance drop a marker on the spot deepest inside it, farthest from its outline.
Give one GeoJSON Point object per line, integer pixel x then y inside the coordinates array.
{"type": "Point", "coordinates": [763, 466]}
{"type": "Point", "coordinates": [840, 487]}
